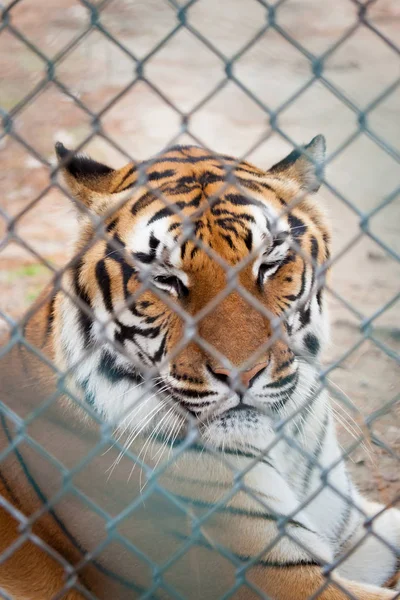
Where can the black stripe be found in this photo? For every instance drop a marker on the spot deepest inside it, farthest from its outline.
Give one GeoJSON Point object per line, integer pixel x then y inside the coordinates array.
{"type": "Point", "coordinates": [177, 206]}
{"type": "Point", "coordinates": [149, 257]}
{"type": "Point", "coordinates": [187, 160]}
{"type": "Point", "coordinates": [156, 175]}
{"type": "Point", "coordinates": [231, 216]}
{"type": "Point", "coordinates": [144, 257]}
{"type": "Point", "coordinates": [240, 200]}
{"type": "Point", "coordinates": [250, 184]}
{"type": "Point", "coordinates": [228, 239]}
{"type": "Point", "coordinates": [112, 225]}
{"type": "Point", "coordinates": [303, 280]}
{"type": "Point", "coordinates": [247, 558]}
{"type": "Point", "coordinates": [284, 365]}
{"type": "Point", "coordinates": [208, 178]}
{"type": "Point", "coordinates": [109, 368]}
{"type": "Point", "coordinates": [297, 225]}
{"type": "Point", "coordinates": [85, 320]}
{"type": "Point", "coordinates": [305, 316]}
{"type": "Point", "coordinates": [314, 248]}
{"type": "Point", "coordinates": [248, 240]}
{"type": "Point", "coordinates": [228, 224]}
{"type": "Point", "coordinates": [193, 393]}
{"type": "Point", "coordinates": [194, 447]}
{"type": "Point", "coordinates": [279, 404]}
{"type": "Point", "coordinates": [285, 392]}
{"type": "Point", "coordinates": [319, 298]}
{"type": "Point", "coordinates": [50, 316]}
{"type": "Point", "coordinates": [242, 453]}
{"type": "Point", "coordinates": [128, 174]}
{"type": "Point", "coordinates": [174, 226]}
{"type": "Point", "coordinates": [291, 257]}
{"type": "Point", "coordinates": [279, 565]}
{"type": "Point", "coordinates": [281, 382]}
{"type": "Point", "coordinates": [161, 350]}
{"type": "Point", "coordinates": [264, 270]}
{"type": "Point", "coordinates": [127, 332]}
{"type": "Point", "coordinates": [127, 270]}
{"type": "Point", "coordinates": [153, 242]}
{"type": "Point", "coordinates": [104, 283]}
{"type": "Point", "coordinates": [146, 200]}
{"type": "Point", "coordinates": [233, 510]}
{"type": "Point", "coordinates": [183, 249]}
{"type": "Point", "coordinates": [193, 408]}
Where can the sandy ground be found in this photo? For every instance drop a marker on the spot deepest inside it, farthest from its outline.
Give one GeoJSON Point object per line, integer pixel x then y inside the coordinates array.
{"type": "Point", "coordinates": [181, 76]}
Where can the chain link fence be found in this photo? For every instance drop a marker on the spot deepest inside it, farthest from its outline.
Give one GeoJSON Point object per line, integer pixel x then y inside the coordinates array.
{"type": "Point", "coordinates": [78, 62]}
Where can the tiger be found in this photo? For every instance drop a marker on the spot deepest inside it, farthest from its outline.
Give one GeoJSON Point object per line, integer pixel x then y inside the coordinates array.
{"type": "Point", "coordinates": [188, 328]}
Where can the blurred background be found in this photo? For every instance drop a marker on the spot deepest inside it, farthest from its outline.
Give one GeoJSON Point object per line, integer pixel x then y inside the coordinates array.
{"type": "Point", "coordinates": [69, 71]}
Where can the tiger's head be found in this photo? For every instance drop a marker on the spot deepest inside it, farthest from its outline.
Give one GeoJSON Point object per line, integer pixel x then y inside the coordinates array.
{"type": "Point", "coordinates": [195, 290]}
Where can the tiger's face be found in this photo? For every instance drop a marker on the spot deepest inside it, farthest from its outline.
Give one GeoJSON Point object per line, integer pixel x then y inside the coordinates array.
{"type": "Point", "coordinates": [205, 282]}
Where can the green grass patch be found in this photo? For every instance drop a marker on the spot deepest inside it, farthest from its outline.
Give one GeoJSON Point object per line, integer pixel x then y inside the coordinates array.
{"type": "Point", "coordinates": [34, 270]}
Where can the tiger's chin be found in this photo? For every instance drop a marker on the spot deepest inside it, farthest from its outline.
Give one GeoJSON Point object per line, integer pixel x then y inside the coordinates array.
{"type": "Point", "coordinates": [238, 428]}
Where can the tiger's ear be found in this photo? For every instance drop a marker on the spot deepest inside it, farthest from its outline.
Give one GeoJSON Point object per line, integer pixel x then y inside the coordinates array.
{"type": "Point", "coordinates": [93, 184]}
{"type": "Point", "coordinates": [304, 165]}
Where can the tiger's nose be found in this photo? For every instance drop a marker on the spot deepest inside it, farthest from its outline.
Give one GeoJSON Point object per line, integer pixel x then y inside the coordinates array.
{"type": "Point", "coordinates": [247, 378]}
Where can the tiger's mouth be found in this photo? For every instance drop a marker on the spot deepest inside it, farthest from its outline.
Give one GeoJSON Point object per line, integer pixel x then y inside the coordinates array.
{"type": "Point", "coordinates": [208, 405]}
{"type": "Point", "coordinates": [242, 406]}
{"type": "Point", "coordinates": [223, 415]}
{"type": "Point", "coordinates": [229, 410]}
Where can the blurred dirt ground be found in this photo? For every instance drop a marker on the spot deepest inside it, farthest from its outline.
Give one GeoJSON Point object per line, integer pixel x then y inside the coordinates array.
{"type": "Point", "coordinates": [140, 122]}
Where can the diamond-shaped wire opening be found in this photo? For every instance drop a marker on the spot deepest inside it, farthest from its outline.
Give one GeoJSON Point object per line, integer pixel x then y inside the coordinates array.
{"type": "Point", "coordinates": [289, 71]}
{"type": "Point", "coordinates": [34, 121]}
{"type": "Point", "coordinates": [317, 33]}
{"type": "Point", "coordinates": [218, 24]}
{"type": "Point", "coordinates": [96, 82]}
{"type": "Point", "coordinates": [151, 113]}
{"type": "Point", "coordinates": [22, 70]}
{"type": "Point", "coordinates": [199, 78]}
{"type": "Point", "coordinates": [135, 26]}
{"type": "Point", "coordinates": [354, 80]}
{"type": "Point", "coordinates": [317, 109]}
{"type": "Point", "coordinates": [49, 27]}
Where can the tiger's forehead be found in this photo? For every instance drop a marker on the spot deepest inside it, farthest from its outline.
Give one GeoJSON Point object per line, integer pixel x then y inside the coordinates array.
{"type": "Point", "coordinates": [232, 235]}
{"type": "Point", "coordinates": [198, 199]}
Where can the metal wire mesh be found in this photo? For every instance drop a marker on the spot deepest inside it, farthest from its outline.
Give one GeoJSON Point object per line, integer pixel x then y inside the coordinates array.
{"type": "Point", "coordinates": [19, 429]}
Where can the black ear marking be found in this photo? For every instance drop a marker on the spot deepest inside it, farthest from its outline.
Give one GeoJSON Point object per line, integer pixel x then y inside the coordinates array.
{"type": "Point", "coordinates": [61, 150]}
{"type": "Point", "coordinates": [79, 165]}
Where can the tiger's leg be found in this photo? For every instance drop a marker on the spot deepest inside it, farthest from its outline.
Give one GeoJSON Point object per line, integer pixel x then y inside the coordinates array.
{"type": "Point", "coordinates": [29, 572]}
{"type": "Point", "coordinates": [373, 561]}
{"type": "Point", "coordinates": [303, 583]}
